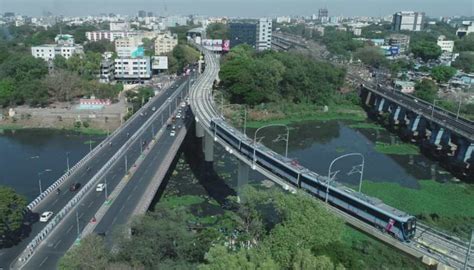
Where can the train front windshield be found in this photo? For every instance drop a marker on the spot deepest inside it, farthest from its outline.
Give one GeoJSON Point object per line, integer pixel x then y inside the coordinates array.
{"type": "Point", "coordinates": [410, 228]}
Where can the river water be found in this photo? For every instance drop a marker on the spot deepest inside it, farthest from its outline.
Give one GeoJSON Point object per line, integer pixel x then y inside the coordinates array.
{"type": "Point", "coordinates": [30, 155]}
{"type": "Point", "coordinates": [25, 153]}
{"type": "Point", "coordinates": [315, 144]}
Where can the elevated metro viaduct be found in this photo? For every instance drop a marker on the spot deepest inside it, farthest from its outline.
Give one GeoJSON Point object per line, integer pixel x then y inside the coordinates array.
{"type": "Point", "coordinates": [440, 134]}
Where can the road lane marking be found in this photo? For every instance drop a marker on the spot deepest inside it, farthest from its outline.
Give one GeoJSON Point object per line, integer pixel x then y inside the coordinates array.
{"type": "Point", "coordinates": [129, 195]}
{"type": "Point", "coordinates": [57, 243]}
{"type": "Point", "coordinates": [134, 188]}
{"type": "Point", "coordinates": [43, 261]}
{"type": "Point", "coordinates": [80, 216]}
{"type": "Point", "coordinates": [55, 201]}
{"type": "Point", "coordinates": [70, 228]}
{"type": "Point", "coordinates": [121, 208]}
{"type": "Point", "coordinates": [90, 204]}
{"type": "Point", "coordinates": [113, 221]}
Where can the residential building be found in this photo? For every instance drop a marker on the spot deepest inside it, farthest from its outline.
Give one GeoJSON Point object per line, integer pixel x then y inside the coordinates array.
{"type": "Point", "coordinates": [408, 20]}
{"type": "Point", "coordinates": [357, 31]}
{"type": "Point", "coordinates": [50, 51]}
{"type": "Point", "coordinates": [66, 40]}
{"type": "Point", "coordinates": [399, 40]}
{"type": "Point", "coordinates": [165, 43]}
{"type": "Point", "coordinates": [465, 29]}
{"type": "Point", "coordinates": [107, 35]}
{"type": "Point", "coordinates": [283, 19]}
{"type": "Point", "coordinates": [405, 86]}
{"type": "Point", "coordinates": [243, 33]}
{"type": "Point", "coordinates": [132, 69]}
{"type": "Point", "coordinates": [264, 34]}
{"type": "Point", "coordinates": [119, 26]}
{"type": "Point", "coordinates": [107, 69]}
{"type": "Point", "coordinates": [125, 47]}
{"type": "Point", "coordinates": [446, 45]}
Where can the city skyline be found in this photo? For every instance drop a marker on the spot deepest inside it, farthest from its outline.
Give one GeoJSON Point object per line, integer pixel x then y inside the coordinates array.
{"type": "Point", "coordinates": [234, 8]}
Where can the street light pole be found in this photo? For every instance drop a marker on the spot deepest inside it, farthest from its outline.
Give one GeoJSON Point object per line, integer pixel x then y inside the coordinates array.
{"type": "Point", "coordinates": [432, 108]}
{"type": "Point", "coordinates": [126, 164]}
{"type": "Point", "coordinates": [459, 109]}
{"type": "Point", "coordinates": [255, 140]}
{"type": "Point", "coordinates": [39, 183]}
{"type": "Point", "coordinates": [77, 222]}
{"type": "Point", "coordinates": [330, 179]}
{"type": "Point", "coordinates": [105, 183]}
{"type": "Point", "coordinates": [67, 161]}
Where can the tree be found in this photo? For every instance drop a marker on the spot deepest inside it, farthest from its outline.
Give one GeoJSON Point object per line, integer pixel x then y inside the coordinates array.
{"type": "Point", "coordinates": [60, 62]}
{"type": "Point", "coordinates": [217, 31]}
{"type": "Point", "coordinates": [371, 56]}
{"type": "Point", "coordinates": [426, 50]}
{"type": "Point", "coordinates": [443, 73]}
{"type": "Point", "coordinates": [89, 254]}
{"type": "Point", "coordinates": [149, 46]}
{"type": "Point", "coordinates": [12, 210]}
{"type": "Point", "coordinates": [219, 257]}
{"type": "Point", "coordinates": [63, 85]}
{"type": "Point", "coordinates": [304, 259]}
{"type": "Point", "coordinates": [6, 92]}
{"type": "Point", "coordinates": [426, 90]}
{"type": "Point", "coordinates": [23, 67]}
{"type": "Point", "coordinates": [465, 61]}
{"type": "Point", "coordinates": [100, 46]}
{"type": "Point", "coordinates": [465, 44]}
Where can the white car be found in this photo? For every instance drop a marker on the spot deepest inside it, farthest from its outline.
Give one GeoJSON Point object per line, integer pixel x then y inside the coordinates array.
{"type": "Point", "coordinates": [100, 187]}
{"type": "Point", "coordinates": [172, 133]}
{"type": "Point", "coordinates": [46, 216]}
{"type": "Point", "coordinates": [178, 115]}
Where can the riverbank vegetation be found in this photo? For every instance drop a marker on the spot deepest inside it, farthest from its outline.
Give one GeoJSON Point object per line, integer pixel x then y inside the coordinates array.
{"type": "Point", "coordinates": [397, 148]}
{"type": "Point", "coordinates": [440, 204]}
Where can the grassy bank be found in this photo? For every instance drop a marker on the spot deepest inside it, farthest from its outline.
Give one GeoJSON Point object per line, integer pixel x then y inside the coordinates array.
{"type": "Point", "coordinates": [10, 126]}
{"type": "Point", "coordinates": [367, 126]}
{"type": "Point", "coordinates": [82, 130]}
{"type": "Point", "coordinates": [444, 205]}
{"type": "Point", "coordinates": [88, 131]}
{"type": "Point", "coordinates": [396, 149]}
{"type": "Point", "coordinates": [290, 113]}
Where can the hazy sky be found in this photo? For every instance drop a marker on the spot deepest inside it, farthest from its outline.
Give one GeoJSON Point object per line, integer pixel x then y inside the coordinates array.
{"type": "Point", "coordinates": [242, 8]}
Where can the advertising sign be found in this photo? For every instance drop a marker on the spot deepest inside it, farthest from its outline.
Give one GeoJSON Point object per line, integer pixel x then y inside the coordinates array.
{"type": "Point", "coordinates": [160, 62]}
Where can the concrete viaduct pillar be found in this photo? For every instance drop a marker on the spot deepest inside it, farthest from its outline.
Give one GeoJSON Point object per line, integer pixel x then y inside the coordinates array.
{"type": "Point", "coordinates": [199, 130]}
{"type": "Point", "coordinates": [208, 146]}
{"type": "Point", "coordinates": [242, 177]}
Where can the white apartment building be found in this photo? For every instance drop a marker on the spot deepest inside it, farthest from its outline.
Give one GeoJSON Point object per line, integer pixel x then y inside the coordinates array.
{"type": "Point", "coordinates": [165, 43]}
{"type": "Point", "coordinates": [408, 20]}
{"type": "Point", "coordinates": [465, 29]}
{"type": "Point", "coordinates": [264, 34]}
{"type": "Point", "coordinates": [446, 45]}
{"type": "Point", "coordinates": [124, 47]}
{"type": "Point", "coordinates": [132, 68]}
{"type": "Point", "coordinates": [49, 51]}
{"type": "Point", "coordinates": [107, 35]}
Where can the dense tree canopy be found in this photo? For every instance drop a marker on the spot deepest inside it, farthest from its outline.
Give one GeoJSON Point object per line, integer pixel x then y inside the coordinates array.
{"type": "Point", "coordinates": [90, 254]}
{"type": "Point", "coordinates": [253, 78]}
{"type": "Point", "coordinates": [100, 46]}
{"type": "Point", "coordinates": [340, 43]}
{"type": "Point", "coordinates": [443, 74]}
{"type": "Point", "coordinates": [181, 56]}
{"type": "Point", "coordinates": [465, 61]}
{"type": "Point", "coordinates": [12, 210]}
{"type": "Point", "coordinates": [371, 56]}
{"type": "Point", "coordinates": [426, 90]}
{"type": "Point", "coordinates": [465, 44]}
{"type": "Point", "coordinates": [426, 50]}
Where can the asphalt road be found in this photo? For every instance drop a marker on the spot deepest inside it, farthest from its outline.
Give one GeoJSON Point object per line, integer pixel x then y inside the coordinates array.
{"type": "Point", "coordinates": [83, 174]}
{"type": "Point", "coordinates": [65, 235]}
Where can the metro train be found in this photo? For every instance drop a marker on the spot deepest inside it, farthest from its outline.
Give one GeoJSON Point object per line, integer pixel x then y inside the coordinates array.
{"type": "Point", "coordinates": [367, 209]}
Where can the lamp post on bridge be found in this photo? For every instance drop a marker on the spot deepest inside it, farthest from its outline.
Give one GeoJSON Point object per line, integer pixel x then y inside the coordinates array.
{"type": "Point", "coordinates": [331, 175]}
{"type": "Point", "coordinates": [287, 139]}
{"type": "Point", "coordinates": [433, 107]}
{"type": "Point", "coordinates": [39, 179]}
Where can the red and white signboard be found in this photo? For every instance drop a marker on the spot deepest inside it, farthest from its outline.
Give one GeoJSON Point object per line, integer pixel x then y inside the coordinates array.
{"type": "Point", "coordinates": [226, 45]}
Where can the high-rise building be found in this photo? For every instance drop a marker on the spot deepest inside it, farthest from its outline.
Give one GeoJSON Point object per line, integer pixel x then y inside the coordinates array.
{"type": "Point", "coordinates": [141, 14]}
{"type": "Point", "coordinates": [243, 33]}
{"type": "Point", "coordinates": [132, 69]}
{"type": "Point", "coordinates": [264, 34]}
{"type": "Point", "coordinates": [323, 15]}
{"type": "Point", "coordinates": [408, 20]}
{"type": "Point", "coordinates": [150, 14]}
